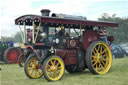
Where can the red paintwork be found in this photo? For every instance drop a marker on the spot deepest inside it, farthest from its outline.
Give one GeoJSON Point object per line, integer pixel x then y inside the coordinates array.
{"type": "Point", "coordinates": [44, 19]}
{"type": "Point", "coordinates": [89, 37]}
{"type": "Point", "coordinates": [23, 18]}
{"type": "Point", "coordinates": [69, 55]}
{"type": "Point", "coordinates": [61, 52]}
{"type": "Point", "coordinates": [29, 47]}
{"type": "Point", "coordinates": [39, 44]}
{"type": "Point", "coordinates": [12, 55]}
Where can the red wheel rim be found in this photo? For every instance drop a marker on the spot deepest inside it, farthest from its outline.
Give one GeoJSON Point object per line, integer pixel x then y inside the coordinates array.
{"type": "Point", "coordinates": [12, 55]}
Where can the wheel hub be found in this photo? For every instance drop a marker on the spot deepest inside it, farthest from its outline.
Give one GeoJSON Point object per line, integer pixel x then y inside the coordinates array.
{"type": "Point", "coordinates": [99, 56]}
{"type": "Point", "coordinates": [53, 68]}
{"type": "Point", "coordinates": [33, 66]}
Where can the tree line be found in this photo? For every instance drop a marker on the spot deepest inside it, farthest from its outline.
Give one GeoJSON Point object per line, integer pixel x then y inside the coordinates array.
{"type": "Point", "coordinates": [16, 38]}
{"type": "Point", "coordinates": [120, 33]}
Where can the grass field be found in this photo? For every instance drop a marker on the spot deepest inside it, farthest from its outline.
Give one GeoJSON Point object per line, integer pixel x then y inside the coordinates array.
{"type": "Point", "coordinates": [12, 74]}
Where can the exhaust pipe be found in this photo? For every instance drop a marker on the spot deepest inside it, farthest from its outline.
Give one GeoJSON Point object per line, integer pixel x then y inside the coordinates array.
{"type": "Point", "coordinates": [45, 12]}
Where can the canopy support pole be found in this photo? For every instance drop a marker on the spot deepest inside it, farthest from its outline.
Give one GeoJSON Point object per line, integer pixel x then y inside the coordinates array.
{"type": "Point", "coordinates": [80, 30]}
{"type": "Point", "coordinates": [37, 32]}
{"type": "Point", "coordinates": [33, 40]}
{"type": "Point", "coordinates": [21, 33]}
{"type": "Point", "coordinates": [24, 33]}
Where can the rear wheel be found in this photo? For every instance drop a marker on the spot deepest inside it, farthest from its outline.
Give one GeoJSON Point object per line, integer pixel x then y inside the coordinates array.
{"type": "Point", "coordinates": [99, 58]}
{"type": "Point", "coordinates": [53, 68]}
{"type": "Point", "coordinates": [33, 67]}
{"type": "Point", "coordinates": [11, 55]}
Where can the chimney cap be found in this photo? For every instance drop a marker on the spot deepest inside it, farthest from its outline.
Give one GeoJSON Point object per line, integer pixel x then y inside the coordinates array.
{"type": "Point", "coordinates": [45, 12]}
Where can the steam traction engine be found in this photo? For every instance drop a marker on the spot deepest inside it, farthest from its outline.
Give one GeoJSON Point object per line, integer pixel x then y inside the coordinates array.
{"type": "Point", "coordinates": [66, 42]}
{"type": "Point", "coordinates": [9, 53]}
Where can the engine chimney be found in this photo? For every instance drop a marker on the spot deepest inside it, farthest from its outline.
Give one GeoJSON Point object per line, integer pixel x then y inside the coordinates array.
{"type": "Point", "coordinates": [45, 12]}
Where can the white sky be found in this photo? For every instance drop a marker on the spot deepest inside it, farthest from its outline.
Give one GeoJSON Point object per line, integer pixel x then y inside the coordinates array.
{"type": "Point", "coordinates": [92, 9]}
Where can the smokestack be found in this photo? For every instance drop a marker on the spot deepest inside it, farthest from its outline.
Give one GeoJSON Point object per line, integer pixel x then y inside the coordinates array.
{"type": "Point", "coordinates": [45, 12]}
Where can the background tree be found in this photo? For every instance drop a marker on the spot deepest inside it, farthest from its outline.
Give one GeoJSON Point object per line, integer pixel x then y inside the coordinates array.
{"type": "Point", "coordinates": [120, 33]}
{"type": "Point", "coordinates": [15, 38]}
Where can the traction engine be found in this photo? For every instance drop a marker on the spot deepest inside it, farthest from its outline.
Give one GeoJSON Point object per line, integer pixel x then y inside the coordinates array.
{"type": "Point", "coordinates": [68, 42]}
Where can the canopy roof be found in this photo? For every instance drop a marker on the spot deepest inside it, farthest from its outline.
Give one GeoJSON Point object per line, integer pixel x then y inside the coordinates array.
{"type": "Point", "coordinates": [28, 19]}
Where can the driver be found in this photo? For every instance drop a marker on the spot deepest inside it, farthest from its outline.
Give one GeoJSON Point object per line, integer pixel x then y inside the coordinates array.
{"type": "Point", "coordinates": [61, 31]}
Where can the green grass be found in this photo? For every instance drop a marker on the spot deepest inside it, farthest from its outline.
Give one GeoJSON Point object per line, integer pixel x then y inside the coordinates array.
{"type": "Point", "coordinates": [12, 74]}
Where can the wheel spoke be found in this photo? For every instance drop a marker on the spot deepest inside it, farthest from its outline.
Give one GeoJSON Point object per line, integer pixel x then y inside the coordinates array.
{"type": "Point", "coordinates": [103, 62]}
{"type": "Point", "coordinates": [33, 62]}
{"type": "Point", "coordinates": [50, 73]}
{"type": "Point", "coordinates": [94, 56]}
{"type": "Point", "coordinates": [104, 55]}
{"type": "Point", "coordinates": [35, 72]}
{"type": "Point", "coordinates": [54, 73]}
{"type": "Point", "coordinates": [58, 71]}
{"type": "Point", "coordinates": [95, 63]}
{"type": "Point", "coordinates": [99, 47]}
{"type": "Point", "coordinates": [30, 69]}
{"type": "Point", "coordinates": [48, 65]}
{"type": "Point", "coordinates": [59, 67]}
{"type": "Point", "coordinates": [106, 59]}
{"type": "Point", "coordinates": [49, 69]}
{"type": "Point", "coordinates": [94, 59]}
{"type": "Point", "coordinates": [98, 65]}
{"type": "Point", "coordinates": [52, 62]}
{"type": "Point", "coordinates": [32, 72]}
{"type": "Point", "coordinates": [96, 50]}
{"type": "Point", "coordinates": [102, 66]}
{"type": "Point", "coordinates": [38, 72]}
{"type": "Point", "coordinates": [104, 51]}
{"type": "Point", "coordinates": [30, 65]}
{"type": "Point", "coordinates": [57, 64]}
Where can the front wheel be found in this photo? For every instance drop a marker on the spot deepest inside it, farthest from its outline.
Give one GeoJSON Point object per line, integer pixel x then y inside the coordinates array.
{"type": "Point", "coordinates": [99, 58]}
{"type": "Point", "coordinates": [53, 68]}
{"type": "Point", "coordinates": [33, 67]}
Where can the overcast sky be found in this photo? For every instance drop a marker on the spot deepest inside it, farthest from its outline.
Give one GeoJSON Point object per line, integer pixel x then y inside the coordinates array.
{"type": "Point", "coordinates": [92, 9]}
